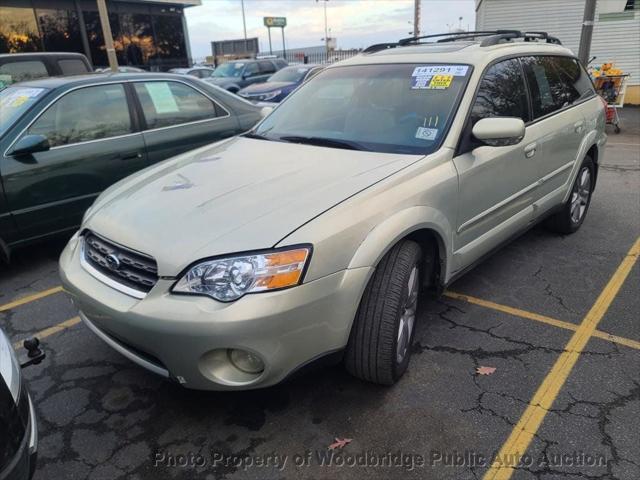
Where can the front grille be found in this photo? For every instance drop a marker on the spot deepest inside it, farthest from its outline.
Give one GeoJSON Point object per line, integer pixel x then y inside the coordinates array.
{"type": "Point", "coordinates": [132, 269]}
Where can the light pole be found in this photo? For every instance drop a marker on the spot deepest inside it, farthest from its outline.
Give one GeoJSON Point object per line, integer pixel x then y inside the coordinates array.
{"type": "Point", "coordinates": [244, 23]}
{"type": "Point", "coordinates": [108, 36]}
{"type": "Point", "coordinates": [326, 29]}
{"type": "Point", "coordinates": [416, 18]}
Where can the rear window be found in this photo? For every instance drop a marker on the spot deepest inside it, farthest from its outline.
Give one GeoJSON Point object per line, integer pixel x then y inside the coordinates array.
{"type": "Point", "coordinates": [72, 66]}
{"type": "Point", "coordinates": [14, 102]}
{"type": "Point", "coordinates": [397, 108]}
{"type": "Point", "coordinates": [13, 72]}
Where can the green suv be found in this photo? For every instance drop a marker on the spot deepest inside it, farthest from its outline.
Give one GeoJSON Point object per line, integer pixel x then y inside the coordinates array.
{"type": "Point", "coordinates": [64, 140]}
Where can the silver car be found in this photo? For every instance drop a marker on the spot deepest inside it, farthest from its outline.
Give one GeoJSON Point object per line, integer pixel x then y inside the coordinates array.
{"type": "Point", "coordinates": [311, 237]}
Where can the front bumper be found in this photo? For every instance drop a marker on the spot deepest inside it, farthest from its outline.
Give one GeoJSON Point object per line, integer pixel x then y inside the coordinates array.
{"type": "Point", "coordinates": [186, 337]}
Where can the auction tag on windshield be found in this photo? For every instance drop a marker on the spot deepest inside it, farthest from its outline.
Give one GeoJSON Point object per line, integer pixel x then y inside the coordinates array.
{"type": "Point", "coordinates": [440, 82]}
{"type": "Point", "coordinates": [425, 133]}
{"type": "Point", "coordinates": [455, 70]}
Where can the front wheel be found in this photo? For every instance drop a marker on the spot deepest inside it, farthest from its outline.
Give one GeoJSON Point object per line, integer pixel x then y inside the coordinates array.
{"type": "Point", "coordinates": [573, 212]}
{"type": "Point", "coordinates": [379, 346]}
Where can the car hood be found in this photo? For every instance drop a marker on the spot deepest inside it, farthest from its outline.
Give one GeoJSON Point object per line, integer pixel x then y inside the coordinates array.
{"type": "Point", "coordinates": [266, 87]}
{"type": "Point", "coordinates": [237, 195]}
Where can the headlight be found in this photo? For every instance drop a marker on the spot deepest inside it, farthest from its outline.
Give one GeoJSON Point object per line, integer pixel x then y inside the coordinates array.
{"type": "Point", "coordinates": [270, 95]}
{"type": "Point", "coordinates": [227, 279]}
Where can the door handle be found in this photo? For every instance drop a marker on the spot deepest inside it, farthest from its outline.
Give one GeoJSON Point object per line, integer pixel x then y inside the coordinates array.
{"type": "Point", "coordinates": [578, 126]}
{"type": "Point", "coordinates": [130, 155]}
{"type": "Point", "coordinates": [530, 150]}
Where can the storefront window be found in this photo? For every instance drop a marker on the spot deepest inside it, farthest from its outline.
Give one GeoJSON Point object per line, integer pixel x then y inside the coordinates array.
{"type": "Point", "coordinates": [60, 30]}
{"type": "Point", "coordinates": [170, 41]}
{"type": "Point", "coordinates": [135, 39]}
{"type": "Point", "coordinates": [18, 30]}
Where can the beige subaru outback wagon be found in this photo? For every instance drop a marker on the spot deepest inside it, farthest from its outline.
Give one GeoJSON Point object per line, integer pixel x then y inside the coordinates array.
{"type": "Point", "coordinates": [312, 236]}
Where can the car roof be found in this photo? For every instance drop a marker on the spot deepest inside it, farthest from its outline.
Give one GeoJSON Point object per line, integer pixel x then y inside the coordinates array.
{"type": "Point", "coordinates": [91, 78]}
{"type": "Point", "coordinates": [461, 52]}
{"type": "Point", "coordinates": [42, 54]}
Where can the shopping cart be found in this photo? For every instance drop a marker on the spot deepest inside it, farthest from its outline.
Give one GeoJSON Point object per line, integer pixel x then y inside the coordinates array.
{"type": "Point", "coordinates": [612, 88]}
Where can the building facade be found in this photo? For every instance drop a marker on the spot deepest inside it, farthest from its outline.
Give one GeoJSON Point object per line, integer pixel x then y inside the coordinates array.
{"type": "Point", "coordinates": [616, 31]}
{"type": "Point", "coordinates": [149, 34]}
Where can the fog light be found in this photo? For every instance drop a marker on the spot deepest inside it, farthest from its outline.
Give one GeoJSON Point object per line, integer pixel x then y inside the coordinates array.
{"type": "Point", "coordinates": [246, 361]}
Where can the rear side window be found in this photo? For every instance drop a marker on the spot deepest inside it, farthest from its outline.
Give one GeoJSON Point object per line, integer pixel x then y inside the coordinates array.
{"type": "Point", "coordinates": [267, 67]}
{"type": "Point", "coordinates": [575, 79]}
{"type": "Point", "coordinates": [170, 103]}
{"type": "Point", "coordinates": [90, 113]}
{"type": "Point", "coordinates": [13, 72]}
{"type": "Point", "coordinates": [502, 93]}
{"type": "Point", "coordinates": [251, 70]}
{"type": "Point", "coordinates": [72, 66]}
{"type": "Point", "coordinates": [548, 92]}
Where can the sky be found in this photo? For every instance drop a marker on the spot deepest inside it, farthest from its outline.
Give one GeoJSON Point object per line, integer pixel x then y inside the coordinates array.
{"type": "Point", "coordinates": [354, 23]}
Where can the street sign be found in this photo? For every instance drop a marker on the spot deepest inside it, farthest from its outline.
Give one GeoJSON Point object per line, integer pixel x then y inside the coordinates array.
{"type": "Point", "coordinates": [279, 22]}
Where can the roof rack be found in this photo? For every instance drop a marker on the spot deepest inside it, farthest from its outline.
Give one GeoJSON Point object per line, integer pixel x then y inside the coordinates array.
{"type": "Point", "coordinates": [492, 37]}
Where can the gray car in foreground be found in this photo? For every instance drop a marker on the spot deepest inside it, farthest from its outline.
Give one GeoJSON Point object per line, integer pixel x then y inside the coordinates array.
{"type": "Point", "coordinates": [312, 236]}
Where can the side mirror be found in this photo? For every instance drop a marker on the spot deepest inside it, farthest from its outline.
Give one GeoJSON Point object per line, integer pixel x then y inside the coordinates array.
{"type": "Point", "coordinates": [30, 144]}
{"type": "Point", "coordinates": [265, 111]}
{"type": "Point", "coordinates": [499, 131]}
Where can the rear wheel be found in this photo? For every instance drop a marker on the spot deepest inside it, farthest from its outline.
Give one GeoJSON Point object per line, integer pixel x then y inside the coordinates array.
{"type": "Point", "coordinates": [573, 212]}
{"type": "Point", "coordinates": [379, 346]}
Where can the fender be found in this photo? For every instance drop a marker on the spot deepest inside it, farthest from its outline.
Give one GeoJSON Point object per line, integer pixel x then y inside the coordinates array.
{"type": "Point", "coordinates": [588, 141]}
{"type": "Point", "coordinates": [401, 224]}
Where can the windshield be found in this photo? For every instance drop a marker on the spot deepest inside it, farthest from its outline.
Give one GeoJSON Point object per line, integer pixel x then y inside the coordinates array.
{"type": "Point", "coordinates": [393, 108]}
{"type": "Point", "coordinates": [231, 69]}
{"type": "Point", "coordinates": [14, 101]}
{"type": "Point", "coordinates": [289, 74]}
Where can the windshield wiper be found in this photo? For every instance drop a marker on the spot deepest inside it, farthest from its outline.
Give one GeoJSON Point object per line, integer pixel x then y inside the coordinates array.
{"type": "Point", "coordinates": [256, 136]}
{"type": "Point", "coordinates": [322, 142]}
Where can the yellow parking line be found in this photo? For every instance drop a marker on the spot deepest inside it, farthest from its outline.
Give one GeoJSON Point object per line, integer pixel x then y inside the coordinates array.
{"type": "Point", "coordinates": [29, 298]}
{"type": "Point", "coordinates": [512, 311]}
{"type": "Point", "coordinates": [627, 342]}
{"type": "Point", "coordinates": [524, 431]}
{"type": "Point", "coordinates": [47, 332]}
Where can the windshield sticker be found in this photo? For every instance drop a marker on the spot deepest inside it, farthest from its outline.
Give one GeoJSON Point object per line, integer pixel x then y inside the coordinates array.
{"type": "Point", "coordinates": [19, 96]}
{"type": "Point", "coordinates": [162, 97]}
{"type": "Point", "coordinates": [425, 133]}
{"type": "Point", "coordinates": [455, 70]}
{"type": "Point", "coordinates": [440, 82]}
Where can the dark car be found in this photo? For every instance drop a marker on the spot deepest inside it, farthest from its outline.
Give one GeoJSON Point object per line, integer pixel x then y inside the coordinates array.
{"type": "Point", "coordinates": [237, 74]}
{"type": "Point", "coordinates": [64, 140]}
{"type": "Point", "coordinates": [280, 84]}
{"type": "Point", "coordinates": [197, 71]}
{"type": "Point", "coordinates": [18, 67]}
{"type": "Point", "coordinates": [18, 429]}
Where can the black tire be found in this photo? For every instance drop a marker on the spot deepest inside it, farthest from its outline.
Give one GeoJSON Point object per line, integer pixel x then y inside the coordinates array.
{"type": "Point", "coordinates": [616, 129]}
{"type": "Point", "coordinates": [565, 220]}
{"type": "Point", "coordinates": [372, 351]}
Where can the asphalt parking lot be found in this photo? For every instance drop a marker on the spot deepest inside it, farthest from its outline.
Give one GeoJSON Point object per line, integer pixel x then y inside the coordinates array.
{"type": "Point", "coordinates": [557, 317]}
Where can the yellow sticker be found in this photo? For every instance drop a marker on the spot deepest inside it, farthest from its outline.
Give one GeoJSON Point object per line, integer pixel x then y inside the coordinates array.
{"type": "Point", "coordinates": [440, 82]}
{"type": "Point", "coordinates": [19, 100]}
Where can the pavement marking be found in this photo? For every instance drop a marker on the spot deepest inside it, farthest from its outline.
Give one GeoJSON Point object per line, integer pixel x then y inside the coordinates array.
{"type": "Point", "coordinates": [518, 441]}
{"type": "Point", "coordinates": [47, 332]}
{"type": "Point", "coordinates": [627, 342]}
{"type": "Point", "coordinates": [626, 144]}
{"type": "Point", "coordinates": [29, 298]}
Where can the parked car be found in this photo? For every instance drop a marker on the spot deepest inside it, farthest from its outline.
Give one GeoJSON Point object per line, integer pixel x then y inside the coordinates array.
{"type": "Point", "coordinates": [311, 237]}
{"type": "Point", "coordinates": [238, 74]}
{"type": "Point", "coordinates": [18, 428]}
{"type": "Point", "coordinates": [122, 69]}
{"type": "Point", "coordinates": [18, 67]}
{"type": "Point", "coordinates": [280, 84]}
{"type": "Point", "coordinates": [64, 140]}
{"type": "Point", "coordinates": [198, 72]}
